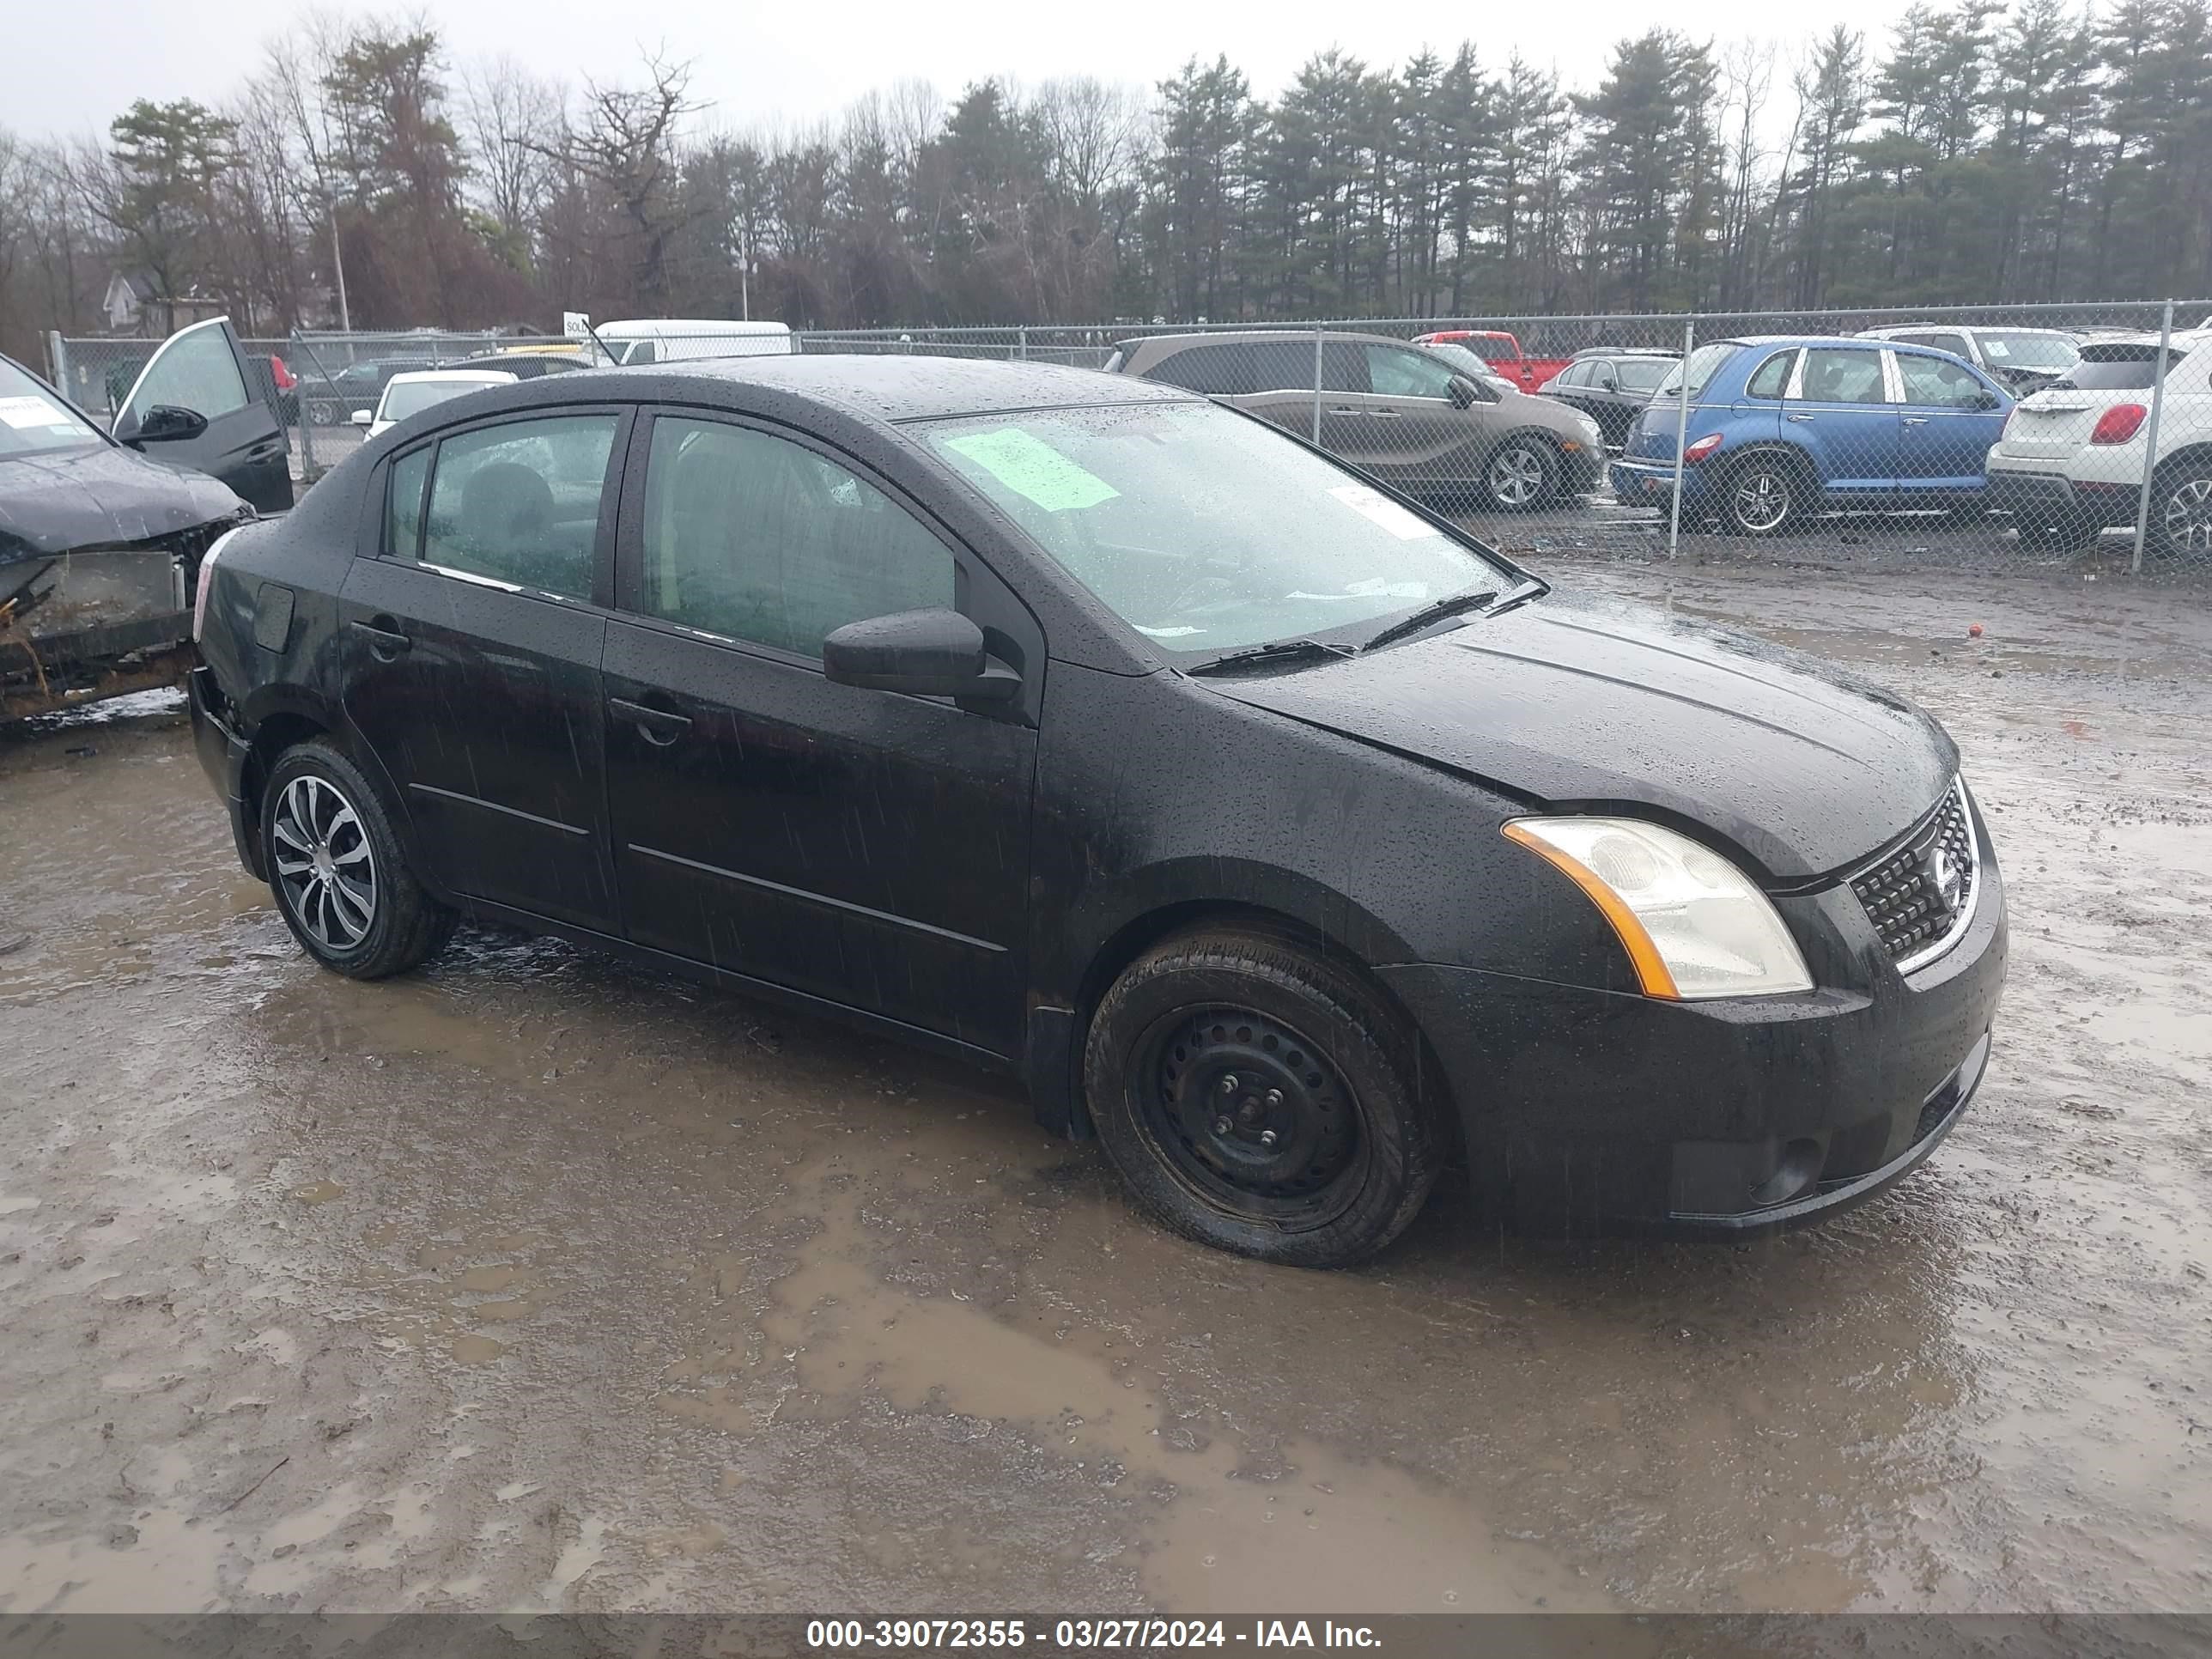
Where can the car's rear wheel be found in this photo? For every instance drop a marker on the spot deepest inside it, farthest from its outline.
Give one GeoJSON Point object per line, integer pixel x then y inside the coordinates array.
{"type": "Point", "coordinates": [2181, 510]}
{"type": "Point", "coordinates": [1523, 476]}
{"type": "Point", "coordinates": [1258, 1097]}
{"type": "Point", "coordinates": [334, 866]}
{"type": "Point", "coordinates": [1765, 495]}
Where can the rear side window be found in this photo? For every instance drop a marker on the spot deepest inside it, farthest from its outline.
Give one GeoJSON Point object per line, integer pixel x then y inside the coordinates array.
{"type": "Point", "coordinates": [2119, 368]}
{"type": "Point", "coordinates": [520, 501]}
{"type": "Point", "coordinates": [1218, 371]}
{"type": "Point", "coordinates": [1772, 377]}
{"type": "Point", "coordinates": [1578, 374]}
{"type": "Point", "coordinates": [756, 538]}
{"type": "Point", "coordinates": [403, 504]}
{"type": "Point", "coordinates": [1838, 374]}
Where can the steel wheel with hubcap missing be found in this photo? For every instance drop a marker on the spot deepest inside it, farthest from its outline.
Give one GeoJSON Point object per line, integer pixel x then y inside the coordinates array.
{"type": "Point", "coordinates": [1261, 1096]}
{"type": "Point", "coordinates": [324, 863]}
{"type": "Point", "coordinates": [1519, 476]}
{"type": "Point", "coordinates": [1762, 498]}
{"type": "Point", "coordinates": [329, 852]}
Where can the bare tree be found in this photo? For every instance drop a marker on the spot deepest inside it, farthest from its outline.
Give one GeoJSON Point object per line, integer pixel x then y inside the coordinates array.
{"type": "Point", "coordinates": [626, 140]}
{"type": "Point", "coordinates": [514, 123]}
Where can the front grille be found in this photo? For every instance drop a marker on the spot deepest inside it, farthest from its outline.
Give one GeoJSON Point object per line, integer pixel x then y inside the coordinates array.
{"type": "Point", "coordinates": [1920, 897]}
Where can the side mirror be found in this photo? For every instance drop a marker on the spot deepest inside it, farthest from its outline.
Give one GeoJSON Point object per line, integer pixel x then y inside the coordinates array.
{"type": "Point", "coordinates": [363, 417]}
{"type": "Point", "coordinates": [1465, 394]}
{"type": "Point", "coordinates": [168, 423]}
{"type": "Point", "coordinates": [925, 654]}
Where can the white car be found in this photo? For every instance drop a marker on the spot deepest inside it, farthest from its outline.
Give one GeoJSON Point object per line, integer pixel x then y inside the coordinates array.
{"type": "Point", "coordinates": [413, 392]}
{"type": "Point", "coordinates": [2070, 461]}
{"type": "Point", "coordinates": [2020, 360]}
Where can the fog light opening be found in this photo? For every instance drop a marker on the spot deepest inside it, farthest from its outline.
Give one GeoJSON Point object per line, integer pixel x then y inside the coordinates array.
{"type": "Point", "coordinates": [1797, 1171]}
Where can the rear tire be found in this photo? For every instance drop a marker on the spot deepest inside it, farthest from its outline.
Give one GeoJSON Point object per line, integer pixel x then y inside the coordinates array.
{"type": "Point", "coordinates": [335, 866]}
{"type": "Point", "coordinates": [1763, 496]}
{"type": "Point", "coordinates": [1260, 1098]}
{"type": "Point", "coordinates": [2181, 511]}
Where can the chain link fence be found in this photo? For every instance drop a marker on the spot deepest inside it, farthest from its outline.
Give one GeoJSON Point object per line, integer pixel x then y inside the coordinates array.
{"type": "Point", "coordinates": [1971, 435]}
{"type": "Point", "coordinates": [1965, 435]}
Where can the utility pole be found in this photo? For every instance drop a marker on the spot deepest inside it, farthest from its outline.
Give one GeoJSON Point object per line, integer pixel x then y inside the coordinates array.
{"type": "Point", "coordinates": [338, 264]}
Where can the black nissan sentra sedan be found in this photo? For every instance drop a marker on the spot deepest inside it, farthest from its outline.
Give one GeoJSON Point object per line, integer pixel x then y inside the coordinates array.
{"type": "Point", "coordinates": [1267, 827]}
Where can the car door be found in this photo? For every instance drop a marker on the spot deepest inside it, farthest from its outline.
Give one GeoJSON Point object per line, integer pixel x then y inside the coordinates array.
{"type": "Point", "coordinates": [1949, 418]}
{"type": "Point", "coordinates": [193, 405]}
{"type": "Point", "coordinates": [865, 847]}
{"type": "Point", "coordinates": [1838, 409]}
{"type": "Point", "coordinates": [1416, 437]}
{"type": "Point", "coordinates": [471, 642]}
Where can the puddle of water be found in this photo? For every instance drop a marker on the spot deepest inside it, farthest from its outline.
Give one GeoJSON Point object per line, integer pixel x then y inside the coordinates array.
{"type": "Point", "coordinates": [162, 1562]}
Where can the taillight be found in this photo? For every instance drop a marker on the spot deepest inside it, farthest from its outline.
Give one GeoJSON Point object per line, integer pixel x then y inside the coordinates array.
{"type": "Point", "coordinates": [206, 575]}
{"type": "Point", "coordinates": [1703, 447]}
{"type": "Point", "coordinates": [2118, 423]}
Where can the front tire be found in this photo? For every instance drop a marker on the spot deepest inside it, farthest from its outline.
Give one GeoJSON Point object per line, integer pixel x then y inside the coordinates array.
{"type": "Point", "coordinates": [335, 866]}
{"type": "Point", "coordinates": [1258, 1097]}
{"type": "Point", "coordinates": [1522, 476]}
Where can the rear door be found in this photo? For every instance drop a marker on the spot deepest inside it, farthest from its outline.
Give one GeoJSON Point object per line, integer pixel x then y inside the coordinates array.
{"type": "Point", "coordinates": [1950, 418]}
{"type": "Point", "coordinates": [1839, 411]}
{"type": "Point", "coordinates": [471, 647]}
{"type": "Point", "coordinates": [867, 848]}
{"type": "Point", "coordinates": [194, 406]}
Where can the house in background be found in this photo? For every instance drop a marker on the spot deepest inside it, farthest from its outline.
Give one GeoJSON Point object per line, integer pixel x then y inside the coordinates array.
{"type": "Point", "coordinates": [135, 306]}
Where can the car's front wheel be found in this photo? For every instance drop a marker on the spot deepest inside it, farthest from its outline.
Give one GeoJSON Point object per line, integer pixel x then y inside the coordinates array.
{"type": "Point", "coordinates": [322, 414]}
{"type": "Point", "coordinates": [1522, 476]}
{"type": "Point", "coordinates": [336, 868]}
{"type": "Point", "coordinates": [1259, 1097]}
{"type": "Point", "coordinates": [1765, 495]}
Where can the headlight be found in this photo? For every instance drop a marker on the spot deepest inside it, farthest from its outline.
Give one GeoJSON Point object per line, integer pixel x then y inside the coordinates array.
{"type": "Point", "coordinates": [1691, 922]}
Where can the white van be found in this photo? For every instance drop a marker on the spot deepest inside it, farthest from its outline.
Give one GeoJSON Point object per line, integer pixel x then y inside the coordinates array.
{"type": "Point", "coordinates": [668, 340]}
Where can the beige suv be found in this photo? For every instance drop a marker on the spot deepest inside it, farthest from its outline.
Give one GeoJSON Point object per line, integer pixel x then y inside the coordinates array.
{"type": "Point", "coordinates": [1404, 414]}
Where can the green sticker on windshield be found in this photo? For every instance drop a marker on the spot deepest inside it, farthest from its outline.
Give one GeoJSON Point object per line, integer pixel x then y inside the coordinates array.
{"type": "Point", "coordinates": [1033, 469]}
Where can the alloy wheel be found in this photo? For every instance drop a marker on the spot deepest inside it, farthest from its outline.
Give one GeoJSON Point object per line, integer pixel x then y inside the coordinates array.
{"type": "Point", "coordinates": [1517, 476]}
{"type": "Point", "coordinates": [1250, 1115]}
{"type": "Point", "coordinates": [324, 863]}
{"type": "Point", "coordinates": [1762, 500]}
{"type": "Point", "coordinates": [2188, 517]}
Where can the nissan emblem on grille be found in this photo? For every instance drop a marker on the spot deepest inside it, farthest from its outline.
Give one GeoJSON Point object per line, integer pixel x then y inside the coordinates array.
{"type": "Point", "coordinates": [1920, 898]}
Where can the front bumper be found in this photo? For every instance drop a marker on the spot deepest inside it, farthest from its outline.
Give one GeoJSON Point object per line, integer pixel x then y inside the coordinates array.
{"type": "Point", "coordinates": [1601, 1111]}
{"type": "Point", "coordinates": [222, 755]}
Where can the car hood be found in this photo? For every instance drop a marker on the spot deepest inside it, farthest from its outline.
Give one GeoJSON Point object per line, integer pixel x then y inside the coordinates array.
{"type": "Point", "coordinates": [1592, 703]}
{"type": "Point", "coordinates": [102, 497]}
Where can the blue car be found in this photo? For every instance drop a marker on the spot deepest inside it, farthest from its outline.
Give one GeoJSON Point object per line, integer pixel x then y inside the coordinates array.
{"type": "Point", "coordinates": [1783, 426]}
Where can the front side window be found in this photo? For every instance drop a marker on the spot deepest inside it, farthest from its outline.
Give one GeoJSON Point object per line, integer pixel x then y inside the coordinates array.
{"type": "Point", "coordinates": [1837, 375]}
{"type": "Point", "coordinates": [1398, 373]}
{"type": "Point", "coordinates": [1938, 382]}
{"type": "Point", "coordinates": [756, 538]}
{"type": "Point", "coordinates": [520, 501]}
{"type": "Point", "coordinates": [195, 370]}
{"type": "Point", "coordinates": [1204, 530]}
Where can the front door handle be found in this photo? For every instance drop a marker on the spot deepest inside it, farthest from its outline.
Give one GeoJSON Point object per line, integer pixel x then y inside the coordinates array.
{"type": "Point", "coordinates": [660, 725]}
{"type": "Point", "coordinates": [384, 644]}
{"type": "Point", "coordinates": [1386, 414]}
{"type": "Point", "coordinates": [1347, 410]}
{"type": "Point", "coordinates": [1797, 417]}
{"type": "Point", "coordinates": [1916, 420]}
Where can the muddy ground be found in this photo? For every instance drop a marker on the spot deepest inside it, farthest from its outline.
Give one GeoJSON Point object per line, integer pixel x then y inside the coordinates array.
{"type": "Point", "coordinates": [535, 1281]}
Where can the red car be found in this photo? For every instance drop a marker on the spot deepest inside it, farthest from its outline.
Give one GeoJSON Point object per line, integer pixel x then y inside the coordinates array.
{"type": "Point", "coordinates": [1502, 351]}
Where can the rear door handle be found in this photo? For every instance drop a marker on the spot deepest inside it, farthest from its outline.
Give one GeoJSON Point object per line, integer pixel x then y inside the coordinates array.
{"type": "Point", "coordinates": [1347, 410]}
{"type": "Point", "coordinates": [384, 644]}
{"type": "Point", "coordinates": [1386, 414]}
{"type": "Point", "coordinates": [1916, 420]}
{"type": "Point", "coordinates": [1797, 417]}
{"type": "Point", "coordinates": [660, 725]}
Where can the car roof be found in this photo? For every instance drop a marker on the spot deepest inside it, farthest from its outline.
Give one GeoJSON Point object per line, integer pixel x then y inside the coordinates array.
{"type": "Point", "coordinates": [875, 388]}
{"type": "Point", "coordinates": [1889, 329]}
{"type": "Point", "coordinates": [471, 376]}
{"type": "Point", "coordinates": [1262, 335]}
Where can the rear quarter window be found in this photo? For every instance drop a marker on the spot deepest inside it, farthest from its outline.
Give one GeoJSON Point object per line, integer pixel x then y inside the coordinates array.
{"type": "Point", "coordinates": [403, 504]}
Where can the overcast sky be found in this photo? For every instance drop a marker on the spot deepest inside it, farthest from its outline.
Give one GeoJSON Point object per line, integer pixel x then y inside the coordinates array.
{"type": "Point", "coordinates": [71, 67]}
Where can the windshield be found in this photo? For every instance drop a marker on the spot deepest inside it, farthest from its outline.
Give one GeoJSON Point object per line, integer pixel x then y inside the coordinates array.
{"type": "Point", "coordinates": [34, 422]}
{"type": "Point", "coordinates": [1704, 363]}
{"type": "Point", "coordinates": [2050, 351]}
{"type": "Point", "coordinates": [1643, 374]}
{"type": "Point", "coordinates": [406, 397]}
{"type": "Point", "coordinates": [1205, 531]}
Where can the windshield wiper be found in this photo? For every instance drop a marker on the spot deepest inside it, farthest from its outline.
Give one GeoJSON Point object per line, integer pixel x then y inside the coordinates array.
{"type": "Point", "coordinates": [1452, 604]}
{"type": "Point", "coordinates": [1279, 651]}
